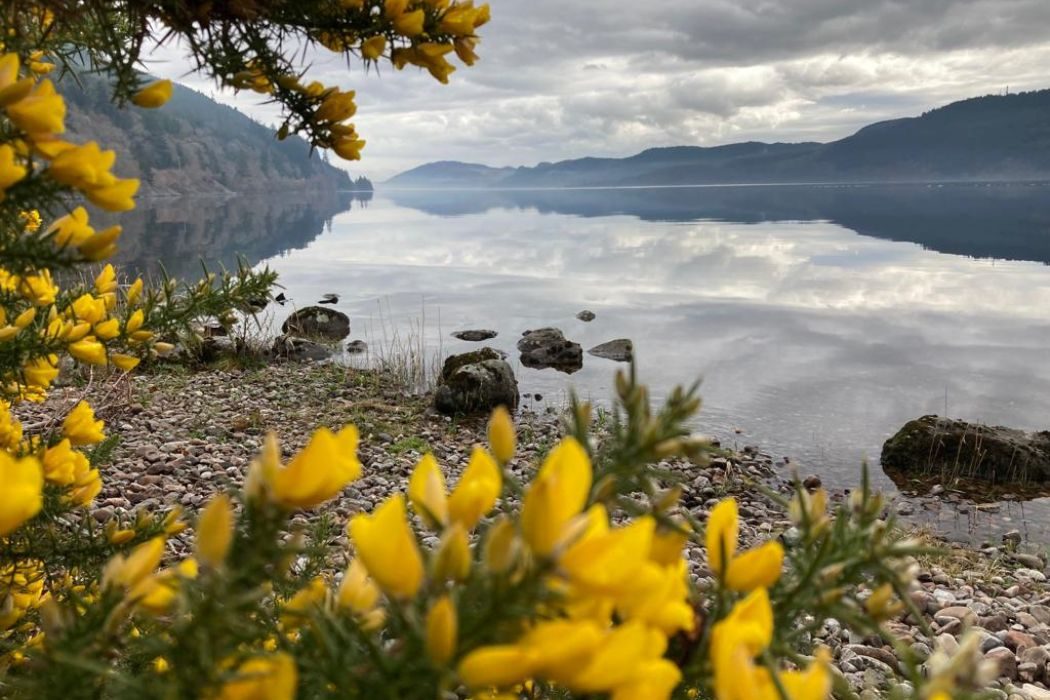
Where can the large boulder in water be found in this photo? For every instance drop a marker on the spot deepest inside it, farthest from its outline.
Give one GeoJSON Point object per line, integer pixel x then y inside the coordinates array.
{"type": "Point", "coordinates": [954, 448]}
{"type": "Point", "coordinates": [317, 322]}
{"type": "Point", "coordinates": [548, 347]}
{"type": "Point", "coordinates": [476, 382]}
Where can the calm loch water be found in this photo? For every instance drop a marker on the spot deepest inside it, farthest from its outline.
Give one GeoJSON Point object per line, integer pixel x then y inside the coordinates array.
{"type": "Point", "coordinates": [820, 318]}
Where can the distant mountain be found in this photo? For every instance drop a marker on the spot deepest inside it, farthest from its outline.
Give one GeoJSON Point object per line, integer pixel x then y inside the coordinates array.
{"type": "Point", "coordinates": [194, 145]}
{"type": "Point", "coordinates": [998, 137]}
{"type": "Point", "coordinates": [452, 173]}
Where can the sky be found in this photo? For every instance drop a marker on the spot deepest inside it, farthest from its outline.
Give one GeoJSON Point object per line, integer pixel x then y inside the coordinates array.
{"type": "Point", "coordinates": [560, 79]}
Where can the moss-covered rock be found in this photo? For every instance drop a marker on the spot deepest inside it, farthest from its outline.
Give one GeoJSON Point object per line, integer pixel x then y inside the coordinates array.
{"type": "Point", "coordinates": [476, 382]}
{"type": "Point", "coordinates": [454, 362]}
{"type": "Point", "coordinates": [955, 448]}
{"type": "Point", "coordinates": [317, 322]}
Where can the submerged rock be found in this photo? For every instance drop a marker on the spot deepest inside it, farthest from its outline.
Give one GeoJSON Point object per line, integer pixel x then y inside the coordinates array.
{"type": "Point", "coordinates": [316, 322]}
{"type": "Point", "coordinates": [585, 316]}
{"type": "Point", "coordinates": [356, 347]}
{"type": "Point", "coordinates": [955, 448]}
{"type": "Point", "coordinates": [476, 382]}
{"type": "Point", "coordinates": [548, 347]}
{"type": "Point", "coordinates": [619, 350]}
{"type": "Point", "coordinates": [291, 348]}
{"type": "Point", "coordinates": [475, 336]}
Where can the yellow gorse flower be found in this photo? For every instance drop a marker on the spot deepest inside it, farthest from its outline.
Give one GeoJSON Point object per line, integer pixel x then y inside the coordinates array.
{"type": "Point", "coordinates": [40, 111]}
{"type": "Point", "coordinates": [756, 568]}
{"type": "Point", "coordinates": [272, 677]}
{"type": "Point", "coordinates": [473, 497]}
{"type": "Point", "coordinates": [744, 634]}
{"type": "Point", "coordinates": [80, 426]}
{"type": "Point", "coordinates": [387, 547]}
{"type": "Point", "coordinates": [373, 47]}
{"type": "Point", "coordinates": [12, 88]}
{"type": "Point", "coordinates": [625, 661]}
{"type": "Point", "coordinates": [319, 472]}
{"type": "Point", "coordinates": [62, 463]}
{"type": "Point", "coordinates": [555, 498]}
{"type": "Point", "coordinates": [106, 281]}
{"type": "Point", "coordinates": [153, 95]}
{"type": "Point", "coordinates": [11, 171]}
{"type": "Point", "coordinates": [10, 428]}
{"type": "Point", "coordinates": [21, 497]}
{"type": "Point", "coordinates": [21, 590]}
{"type": "Point", "coordinates": [477, 490]}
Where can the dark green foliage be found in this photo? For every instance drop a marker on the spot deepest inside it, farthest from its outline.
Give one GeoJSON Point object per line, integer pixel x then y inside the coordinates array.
{"type": "Point", "coordinates": [193, 144]}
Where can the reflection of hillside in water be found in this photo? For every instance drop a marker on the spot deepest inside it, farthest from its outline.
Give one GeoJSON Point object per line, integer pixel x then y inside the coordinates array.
{"type": "Point", "coordinates": [180, 233]}
{"type": "Point", "coordinates": [1005, 221]}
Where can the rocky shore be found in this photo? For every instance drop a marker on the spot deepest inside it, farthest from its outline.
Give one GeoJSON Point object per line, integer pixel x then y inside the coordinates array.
{"type": "Point", "coordinates": [183, 436]}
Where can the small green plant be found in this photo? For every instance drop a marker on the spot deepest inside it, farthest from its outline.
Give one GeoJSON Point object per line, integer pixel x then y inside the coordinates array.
{"type": "Point", "coordinates": [409, 444]}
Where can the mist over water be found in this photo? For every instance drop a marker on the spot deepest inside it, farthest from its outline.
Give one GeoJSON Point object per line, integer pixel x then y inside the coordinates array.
{"type": "Point", "coordinates": [820, 318]}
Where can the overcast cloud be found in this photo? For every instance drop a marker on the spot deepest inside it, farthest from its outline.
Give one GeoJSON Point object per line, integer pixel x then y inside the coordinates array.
{"type": "Point", "coordinates": [562, 79]}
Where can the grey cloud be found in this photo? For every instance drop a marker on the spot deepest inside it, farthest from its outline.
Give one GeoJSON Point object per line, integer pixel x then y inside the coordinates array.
{"type": "Point", "coordinates": [610, 77]}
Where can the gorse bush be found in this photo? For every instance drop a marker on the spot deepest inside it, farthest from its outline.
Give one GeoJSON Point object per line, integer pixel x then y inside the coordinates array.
{"type": "Point", "coordinates": [575, 584]}
{"type": "Point", "coordinates": [572, 585]}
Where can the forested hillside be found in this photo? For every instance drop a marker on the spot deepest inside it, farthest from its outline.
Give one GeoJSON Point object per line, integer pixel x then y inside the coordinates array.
{"type": "Point", "coordinates": [194, 145]}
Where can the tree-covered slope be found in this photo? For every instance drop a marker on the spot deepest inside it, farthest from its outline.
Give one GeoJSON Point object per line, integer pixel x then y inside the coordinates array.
{"type": "Point", "coordinates": [194, 145]}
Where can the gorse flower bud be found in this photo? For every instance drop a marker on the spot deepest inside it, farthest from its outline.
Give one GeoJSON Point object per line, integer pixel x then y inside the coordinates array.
{"type": "Point", "coordinates": [357, 593]}
{"type": "Point", "coordinates": [501, 433]}
{"type": "Point", "coordinates": [880, 604]}
{"type": "Point", "coordinates": [305, 602]}
{"type": "Point", "coordinates": [426, 492]}
{"type": "Point", "coordinates": [128, 572]}
{"type": "Point", "coordinates": [441, 631]}
{"type": "Point", "coordinates": [452, 559]}
{"type": "Point", "coordinates": [501, 546]}
{"type": "Point", "coordinates": [214, 532]}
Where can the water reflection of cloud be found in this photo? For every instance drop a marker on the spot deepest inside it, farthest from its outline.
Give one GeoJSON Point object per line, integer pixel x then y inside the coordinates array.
{"type": "Point", "coordinates": [815, 340]}
{"type": "Point", "coordinates": [804, 265]}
